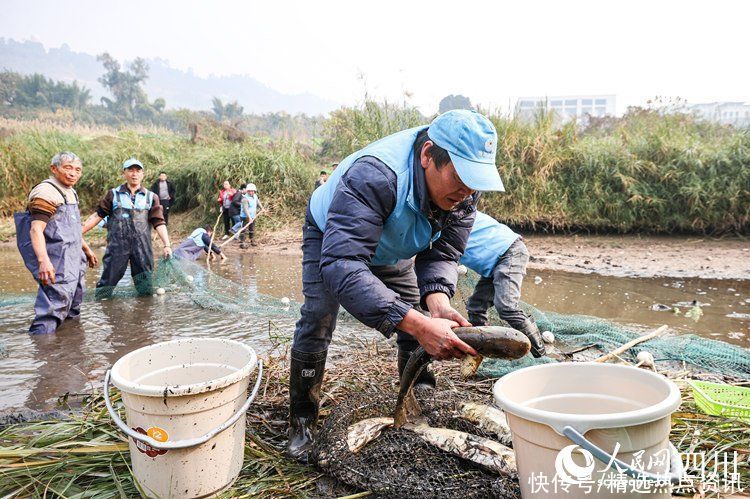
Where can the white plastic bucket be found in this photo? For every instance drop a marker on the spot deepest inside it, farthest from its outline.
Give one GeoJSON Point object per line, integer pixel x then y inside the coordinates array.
{"type": "Point", "coordinates": [185, 403]}
{"type": "Point", "coordinates": [567, 420]}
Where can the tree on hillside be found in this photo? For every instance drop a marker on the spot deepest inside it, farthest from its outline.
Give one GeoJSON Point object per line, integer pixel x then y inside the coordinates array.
{"type": "Point", "coordinates": [229, 111]}
{"type": "Point", "coordinates": [126, 88]}
{"type": "Point", "coordinates": [38, 92]}
{"type": "Point", "coordinates": [450, 102]}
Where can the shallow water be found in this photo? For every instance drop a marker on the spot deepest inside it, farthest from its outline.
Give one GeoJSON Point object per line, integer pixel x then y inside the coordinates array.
{"type": "Point", "coordinates": [38, 369]}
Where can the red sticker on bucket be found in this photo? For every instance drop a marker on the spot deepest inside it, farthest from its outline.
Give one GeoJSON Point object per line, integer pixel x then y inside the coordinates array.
{"type": "Point", "coordinates": [146, 448]}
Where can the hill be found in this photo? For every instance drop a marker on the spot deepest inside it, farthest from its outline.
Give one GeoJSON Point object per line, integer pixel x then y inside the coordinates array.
{"type": "Point", "coordinates": [181, 89]}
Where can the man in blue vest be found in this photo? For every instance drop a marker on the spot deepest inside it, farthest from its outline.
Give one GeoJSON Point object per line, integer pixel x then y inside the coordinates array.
{"type": "Point", "coordinates": [500, 257]}
{"type": "Point", "coordinates": [411, 194]}
{"type": "Point", "coordinates": [132, 211]}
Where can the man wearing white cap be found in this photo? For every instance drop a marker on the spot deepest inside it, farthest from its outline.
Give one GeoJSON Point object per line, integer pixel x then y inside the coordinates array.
{"type": "Point", "coordinates": [132, 211]}
{"type": "Point", "coordinates": [410, 194]}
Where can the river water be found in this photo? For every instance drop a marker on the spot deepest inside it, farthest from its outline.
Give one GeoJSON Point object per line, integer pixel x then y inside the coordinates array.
{"type": "Point", "coordinates": [36, 370]}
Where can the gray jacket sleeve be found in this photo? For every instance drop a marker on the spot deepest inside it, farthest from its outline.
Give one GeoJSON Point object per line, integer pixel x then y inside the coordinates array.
{"type": "Point", "coordinates": [436, 267]}
{"type": "Point", "coordinates": [363, 201]}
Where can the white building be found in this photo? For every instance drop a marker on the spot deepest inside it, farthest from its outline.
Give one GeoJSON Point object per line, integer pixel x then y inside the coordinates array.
{"type": "Point", "coordinates": [567, 107]}
{"type": "Point", "coordinates": [726, 113]}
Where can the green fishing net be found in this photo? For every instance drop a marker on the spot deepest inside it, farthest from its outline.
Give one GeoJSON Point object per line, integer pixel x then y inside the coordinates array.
{"type": "Point", "coordinates": [580, 331]}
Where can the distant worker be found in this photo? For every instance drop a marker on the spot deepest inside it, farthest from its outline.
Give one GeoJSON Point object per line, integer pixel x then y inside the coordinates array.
{"type": "Point", "coordinates": [321, 179]}
{"type": "Point", "coordinates": [165, 190]}
{"type": "Point", "coordinates": [500, 257]}
{"type": "Point", "coordinates": [51, 243]}
{"type": "Point", "coordinates": [250, 208]}
{"type": "Point", "coordinates": [132, 211]}
{"type": "Point", "coordinates": [196, 243]}
{"type": "Point", "coordinates": [225, 200]}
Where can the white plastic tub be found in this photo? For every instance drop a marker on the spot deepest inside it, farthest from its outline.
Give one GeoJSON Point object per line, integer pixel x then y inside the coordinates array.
{"type": "Point", "coordinates": [185, 404]}
{"type": "Point", "coordinates": [568, 418]}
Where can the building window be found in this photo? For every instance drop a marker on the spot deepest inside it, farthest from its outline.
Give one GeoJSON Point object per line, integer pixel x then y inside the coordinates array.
{"type": "Point", "coordinates": [556, 103]}
{"type": "Point", "coordinates": [601, 102]}
{"type": "Point", "coordinates": [587, 102]}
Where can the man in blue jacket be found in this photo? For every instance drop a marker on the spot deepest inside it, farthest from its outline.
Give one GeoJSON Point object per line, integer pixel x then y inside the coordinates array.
{"type": "Point", "coordinates": [500, 257]}
{"type": "Point", "coordinates": [410, 194]}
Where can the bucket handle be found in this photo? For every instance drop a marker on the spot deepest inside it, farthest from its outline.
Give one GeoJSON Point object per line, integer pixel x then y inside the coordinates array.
{"type": "Point", "coordinates": [179, 444]}
{"type": "Point", "coordinates": [676, 468]}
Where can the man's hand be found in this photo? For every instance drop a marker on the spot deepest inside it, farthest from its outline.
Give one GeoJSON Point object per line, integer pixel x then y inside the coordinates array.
{"type": "Point", "coordinates": [435, 335]}
{"type": "Point", "coordinates": [439, 306]}
{"type": "Point", "coordinates": [91, 258]}
{"type": "Point", "coordinates": [46, 272]}
{"type": "Point", "coordinates": [167, 252]}
{"type": "Point", "coordinates": [223, 256]}
{"type": "Point", "coordinates": [438, 339]}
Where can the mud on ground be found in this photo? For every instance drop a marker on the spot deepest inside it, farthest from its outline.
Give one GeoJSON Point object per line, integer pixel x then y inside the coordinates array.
{"type": "Point", "coordinates": [619, 256]}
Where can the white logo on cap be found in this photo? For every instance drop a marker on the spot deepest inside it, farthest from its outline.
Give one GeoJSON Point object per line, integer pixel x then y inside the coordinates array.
{"type": "Point", "coordinates": [489, 145]}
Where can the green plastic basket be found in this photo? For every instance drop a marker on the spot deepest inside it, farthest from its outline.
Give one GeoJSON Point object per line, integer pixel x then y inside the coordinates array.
{"type": "Point", "coordinates": [718, 399]}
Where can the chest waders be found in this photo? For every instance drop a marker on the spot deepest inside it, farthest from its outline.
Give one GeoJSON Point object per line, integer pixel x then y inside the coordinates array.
{"type": "Point", "coordinates": [63, 238]}
{"type": "Point", "coordinates": [128, 241]}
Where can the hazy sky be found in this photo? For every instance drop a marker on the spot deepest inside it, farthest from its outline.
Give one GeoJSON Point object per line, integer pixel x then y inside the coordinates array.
{"type": "Point", "coordinates": [491, 51]}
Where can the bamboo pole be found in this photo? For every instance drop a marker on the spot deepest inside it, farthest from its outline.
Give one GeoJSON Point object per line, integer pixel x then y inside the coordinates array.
{"type": "Point", "coordinates": [236, 234]}
{"type": "Point", "coordinates": [213, 233]}
{"type": "Point", "coordinates": [631, 344]}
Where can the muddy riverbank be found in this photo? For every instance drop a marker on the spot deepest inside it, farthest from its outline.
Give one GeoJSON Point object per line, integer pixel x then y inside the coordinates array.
{"type": "Point", "coordinates": [618, 256]}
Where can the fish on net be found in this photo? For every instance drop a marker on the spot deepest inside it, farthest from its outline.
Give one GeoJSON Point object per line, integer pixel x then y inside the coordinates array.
{"type": "Point", "coordinates": [399, 463]}
{"type": "Point", "coordinates": [578, 331]}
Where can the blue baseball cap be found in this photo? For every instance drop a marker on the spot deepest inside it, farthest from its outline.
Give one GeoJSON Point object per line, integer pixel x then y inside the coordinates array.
{"type": "Point", "coordinates": [471, 141]}
{"type": "Point", "coordinates": [131, 162]}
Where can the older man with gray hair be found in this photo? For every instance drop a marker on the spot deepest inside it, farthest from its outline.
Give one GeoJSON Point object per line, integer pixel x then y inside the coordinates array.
{"type": "Point", "coordinates": [50, 240]}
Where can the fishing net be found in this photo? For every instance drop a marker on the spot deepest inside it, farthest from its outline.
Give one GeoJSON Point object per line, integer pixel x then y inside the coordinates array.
{"type": "Point", "coordinates": [581, 331]}
{"type": "Point", "coordinates": [399, 463]}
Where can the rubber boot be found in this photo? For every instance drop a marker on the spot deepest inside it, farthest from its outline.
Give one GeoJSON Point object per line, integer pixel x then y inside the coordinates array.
{"type": "Point", "coordinates": [530, 329]}
{"type": "Point", "coordinates": [305, 380]}
{"type": "Point", "coordinates": [426, 378]}
{"type": "Point", "coordinates": [476, 321]}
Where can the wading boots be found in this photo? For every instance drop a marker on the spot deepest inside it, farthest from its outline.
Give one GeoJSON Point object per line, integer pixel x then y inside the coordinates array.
{"type": "Point", "coordinates": [530, 329]}
{"type": "Point", "coordinates": [426, 378]}
{"type": "Point", "coordinates": [305, 380]}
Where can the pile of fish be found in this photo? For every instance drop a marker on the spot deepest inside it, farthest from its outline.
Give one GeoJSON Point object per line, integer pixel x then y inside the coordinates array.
{"type": "Point", "coordinates": [494, 455]}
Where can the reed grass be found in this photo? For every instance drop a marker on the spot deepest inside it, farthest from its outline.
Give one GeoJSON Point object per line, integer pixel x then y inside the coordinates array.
{"type": "Point", "coordinates": [648, 171]}
{"type": "Point", "coordinates": [284, 171]}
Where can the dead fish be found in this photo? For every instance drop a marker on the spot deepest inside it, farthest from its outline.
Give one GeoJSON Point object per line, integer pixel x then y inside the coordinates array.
{"type": "Point", "coordinates": [360, 434]}
{"type": "Point", "coordinates": [660, 307]}
{"type": "Point", "coordinates": [469, 365]}
{"type": "Point", "coordinates": [483, 451]}
{"type": "Point", "coordinates": [488, 418]}
{"type": "Point", "coordinates": [489, 341]}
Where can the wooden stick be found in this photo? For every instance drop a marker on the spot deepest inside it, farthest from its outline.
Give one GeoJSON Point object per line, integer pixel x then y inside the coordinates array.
{"type": "Point", "coordinates": [236, 234]}
{"type": "Point", "coordinates": [213, 233]}
{"type": "Point", "coordinates": [630, 344]}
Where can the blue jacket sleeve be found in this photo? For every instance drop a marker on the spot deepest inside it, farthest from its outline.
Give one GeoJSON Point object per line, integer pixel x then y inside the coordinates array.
{"type": "Point", "coordinates": [363, 201]}
{"type": "Point", "coordinates": [436, 267]}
